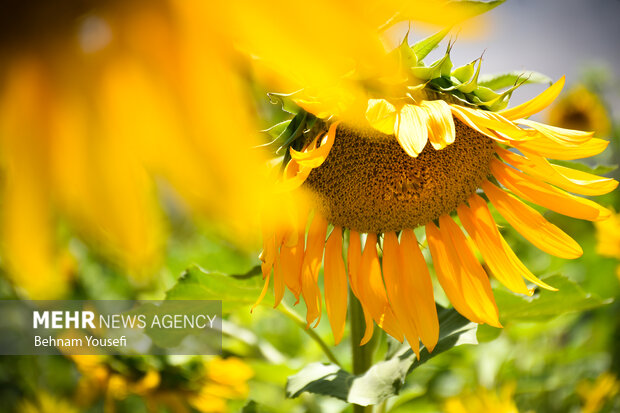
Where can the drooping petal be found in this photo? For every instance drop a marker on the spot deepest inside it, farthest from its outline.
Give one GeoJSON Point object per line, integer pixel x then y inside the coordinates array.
{"type": "Point", "coordinates": [372, 291]}
{"type": "Point", "coordinates": [291, 259]}
{"type": "Point", "coordinates": [545, 195]}
{"type": "Point", "coordinates": [335, 284]}
{"type": "Point", "coordinates": [292, 254]}
{"type": "Point", "coordinates": [381, 115]}
{"type": "Point", "coordinates": [550, 149]}
{"type": "Point", "coordinates": [412, 129]}
{"type": "Point", "coordinates": [354, 259]}
{"type": "Point", "coordinates": [531, 224]}
{"type": "Point", "coordinates": [535, 105]}
{"type": "Point", "coordinates": [393, 273]}
{"type": "Point", "coordinates": [474, 281]}
{"type": "Point", "coordinates": [416, 281]}
{"type": "Point", "coordinates": [440, 124]}
{"type": "Point", "coordinates": [313, 257]}
{"type": "Point", "coordinates": [278, 282]}
{"type": "Point", "coordinates": [504, 264]}
{"type": "Point", "coordinates": [568, 179]}
{"type": "Point", "coordinates": [447, 268]}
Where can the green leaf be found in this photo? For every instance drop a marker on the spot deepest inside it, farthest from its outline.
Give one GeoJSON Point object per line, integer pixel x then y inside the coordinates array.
{"type": "Point", "coordinates": [425, 46]}
{"type": "Point", "coordinates": [250, 407]}
{"type": "Point", "coordinates": [233, 290]}
{"type": "Point", "coordinates": [505, 80]}
{"type": "Point", "coordinates": [569, 298]}
{"type": "Point", "coordinates": [596, 170]}
{"type": "Point", "coordinates": [471, 8]}
{"type": "Point", "coordinates": [386, 378]}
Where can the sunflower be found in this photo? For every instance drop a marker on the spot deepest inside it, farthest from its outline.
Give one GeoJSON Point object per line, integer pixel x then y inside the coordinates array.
{"type": "Point", "coordinates": [429, 158]}
{"type": "Point", "coordinates": [105, 107]}
{"type": "Point", "coordinates": [580, 109]}
{"type": "Point", "coordinates": [483, 400]}
{"type": "Point", "coordinates": [208, 386]}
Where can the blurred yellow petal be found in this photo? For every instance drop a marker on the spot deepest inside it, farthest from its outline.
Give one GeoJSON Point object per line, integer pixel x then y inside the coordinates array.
{"type": "Point", "coordinates": [381, 115]}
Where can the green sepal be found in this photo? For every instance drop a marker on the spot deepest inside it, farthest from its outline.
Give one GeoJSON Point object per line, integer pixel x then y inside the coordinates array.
{"type": "Point", "coordinates": [285, 101]}
{"type": "Point", "coordinates": [427, 45]}
{"type": "Point", "coordinates": [408, 58]}
{"type": "Point", "coordinates": [278, 129]}
{"type": "Point", "coordinates": [472, 83]}
{"type": "Point", "coordinates": [464, 73]}
{"type": "Point", "coordinates": [437, 69]}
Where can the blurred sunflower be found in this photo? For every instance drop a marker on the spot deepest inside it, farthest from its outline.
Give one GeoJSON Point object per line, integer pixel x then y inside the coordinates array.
{"type": "Point", "coordinates": [207, 386]}
{"type": "Point", "coordinates": [105, 106]}
{"type": "Point", "coordinates": [594, 395]}
{"type": "Point", "coordinates": [419, 158]}
{"type": "Point", "coordinates": [46, 403]}
{"type": "Point", "coordinates": [580, 109]}
{"type": "Point", "coordinates": [483, 400]}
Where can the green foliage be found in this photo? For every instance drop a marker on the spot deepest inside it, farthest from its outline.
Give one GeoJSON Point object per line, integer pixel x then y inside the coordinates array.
{"type": "Point", "coordinates": [235, 291]}
{"type": "Point", "coordinates": [545, 305]}
{"type": "Point", "coordinates": [385, 378]}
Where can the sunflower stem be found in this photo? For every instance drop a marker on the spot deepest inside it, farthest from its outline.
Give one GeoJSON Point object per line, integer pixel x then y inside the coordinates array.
{"type": "Point", "coordinates": [361, 355]}
{"type": "Point", "coordinates": [290, 313]}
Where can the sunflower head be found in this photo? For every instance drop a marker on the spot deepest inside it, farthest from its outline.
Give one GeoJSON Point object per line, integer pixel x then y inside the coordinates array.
{"type": "Point", "coordinates": [580, 109]}
{"type": "Point", "coordinates": [438, 145]}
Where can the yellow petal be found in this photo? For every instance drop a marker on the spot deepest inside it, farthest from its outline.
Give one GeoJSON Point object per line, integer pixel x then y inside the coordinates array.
{"type": "Point", "coordinates": [294, 177]}
{"type": "Point", "coordinates": [534, 105]}
{"type": "Point", "coordinates": [538, 192]}
{"type": "Point", "coordinates": [381, 114]}
{"type": "Point", "coordinates": [399, 297]}
{"type": "Point", "coordinates": [529, 223]}
{"type": "Point", "coordinates": [372, 290]}
{"type": "Point", "coordinates": [314, 157]}
{"type": "Point", "coordinates": [474, 282]}
{"type": "Point", "coordinates": [559, 135]}
{"type": "Point", "coordinates": [441, 124]}
{"type": "Point", "coordinates": [462, 116]}
{"type": "Point", "coordinates": [412, 129]}
{"type": "Point", "coordinates": [354, 259]}
{"type": "Point", "coordinates": [504, 264]}
{"type": "Point", "coordinates": [448, 273]}
{"type": "Point", "coordinates": [313, 257]}
{"type": "Point", "coordinates": [550, 149]}
{"type": "Point", "coordinates": [416, 281]}
{"type": "Point", "coordinates": [568, 179]}
{"type": "Point", "coordinates": [335, 284]}
{"type": "Point", "coordinates": [491, 121]}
